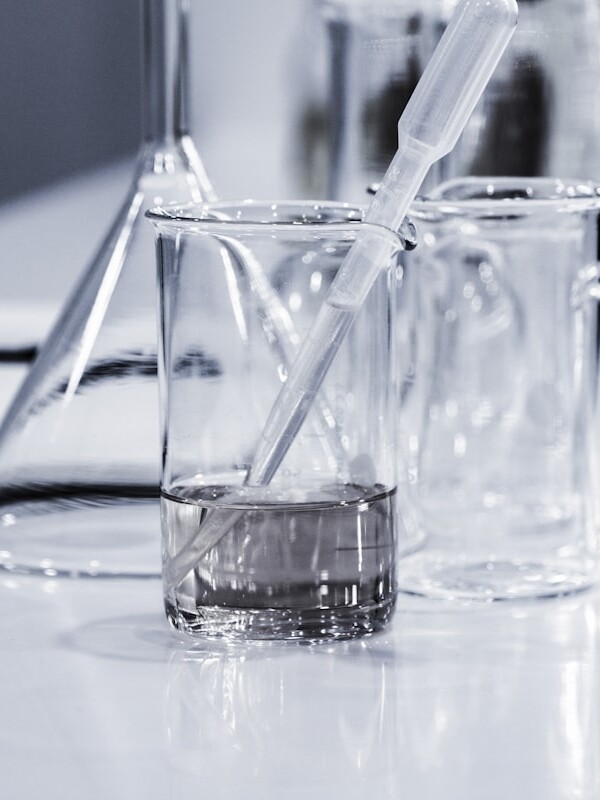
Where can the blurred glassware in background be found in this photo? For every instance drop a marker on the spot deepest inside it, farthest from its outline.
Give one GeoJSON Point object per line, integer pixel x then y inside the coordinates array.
{"type": "Point", "coordinates": [37, 272]}
{"type": "Point", "coordinates": [80, 441]}
{"type": "Point", "coordinates": [374, 54]}
{"type": "Point", "coordinates": [497, 417]}
{"type": "Point", "coordinates": [539, 116]}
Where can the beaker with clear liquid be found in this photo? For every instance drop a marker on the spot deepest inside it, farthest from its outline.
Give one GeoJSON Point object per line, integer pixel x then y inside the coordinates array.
{"type": "Point", "coordinates": [311, 553]}
{"type": "Point", "coordinates": [79, 446]}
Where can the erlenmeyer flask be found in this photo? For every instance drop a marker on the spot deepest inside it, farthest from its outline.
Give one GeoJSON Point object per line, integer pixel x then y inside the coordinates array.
{"type": "Point", "coordinates": [79, 447]}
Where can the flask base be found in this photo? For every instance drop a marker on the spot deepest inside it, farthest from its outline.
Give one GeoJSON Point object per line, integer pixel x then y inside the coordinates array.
{"type": "Point", "coordinates": [102, 535]}
{"type": "Point", "coordinates": [490, 579]}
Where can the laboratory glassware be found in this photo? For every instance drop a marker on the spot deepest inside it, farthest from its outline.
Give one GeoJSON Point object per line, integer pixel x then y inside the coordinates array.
{"type": "Point", "coordinates": [79, 446]}
{"type": "Point", "coordinates": [428, 129]}
{"type": "Point", "coordinates": [538, 116]}
{"type": "Point", "coordinates": [497, 411]}
{"type": "Point", "coordinates": [311, 555]}
{"type": "Point", "coordinates": [376, 51]}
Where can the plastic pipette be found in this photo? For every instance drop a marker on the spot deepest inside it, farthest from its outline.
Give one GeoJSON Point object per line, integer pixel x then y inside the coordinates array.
{"type": "Point", "coordinates": [430, 126]}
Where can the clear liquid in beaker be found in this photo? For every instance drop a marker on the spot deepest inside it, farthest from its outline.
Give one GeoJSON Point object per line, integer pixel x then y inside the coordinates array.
{"type": "Point", "coordinates": [323, 566]}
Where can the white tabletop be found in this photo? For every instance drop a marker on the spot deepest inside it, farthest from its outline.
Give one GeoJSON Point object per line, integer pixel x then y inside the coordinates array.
{"type": "Point", "coordinates": [101, 700]}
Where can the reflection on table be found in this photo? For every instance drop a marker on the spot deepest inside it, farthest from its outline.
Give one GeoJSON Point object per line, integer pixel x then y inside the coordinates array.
{"type": "Point", "coordinates": [453, 701]}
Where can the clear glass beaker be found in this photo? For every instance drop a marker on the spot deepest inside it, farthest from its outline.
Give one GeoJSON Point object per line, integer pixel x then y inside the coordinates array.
{"type": "Point", "coordinates": [79, 447]}
{"type": "Point", "coordinates": [497, 404]}
{"type": "Point", "coordinates": [312, 553]}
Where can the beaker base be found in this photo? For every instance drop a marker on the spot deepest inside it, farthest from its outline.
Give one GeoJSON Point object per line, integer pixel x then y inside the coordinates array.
{"type": "Point", "coordinates": [308, 624]}
{"type": "Point", "coordinates": [100, 536]}
{"type": "Point", "coordinates": [491, 579]}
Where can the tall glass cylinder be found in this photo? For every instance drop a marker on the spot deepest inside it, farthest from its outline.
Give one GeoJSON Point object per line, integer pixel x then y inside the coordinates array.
{"type": "Point", "coordinates": [377, 51]}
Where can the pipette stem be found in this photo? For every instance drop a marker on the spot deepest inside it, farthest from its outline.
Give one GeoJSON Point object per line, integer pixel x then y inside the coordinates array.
{"type": "Point", "coordinates": [216, 523]}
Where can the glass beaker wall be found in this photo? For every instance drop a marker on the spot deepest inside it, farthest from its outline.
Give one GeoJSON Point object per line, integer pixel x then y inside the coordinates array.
{"type": "Point", "coordinates": [306, 550]}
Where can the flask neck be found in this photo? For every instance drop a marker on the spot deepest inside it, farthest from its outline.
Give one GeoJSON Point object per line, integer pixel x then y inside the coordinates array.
{"type": "Point", "coordinates": [165, 70]}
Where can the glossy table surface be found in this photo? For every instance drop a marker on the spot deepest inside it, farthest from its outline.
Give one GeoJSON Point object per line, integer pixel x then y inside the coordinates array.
{"type": "Point", "coordinates": [101, 700]}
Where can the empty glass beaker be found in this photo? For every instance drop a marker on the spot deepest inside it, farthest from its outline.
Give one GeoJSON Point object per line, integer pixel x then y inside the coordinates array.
{"type": "Point", "coordinates": [311, 553]}
{"type": "Point", "coordinates": [497, 404]}
{"type": "Point", "coordinates": [79, 447]}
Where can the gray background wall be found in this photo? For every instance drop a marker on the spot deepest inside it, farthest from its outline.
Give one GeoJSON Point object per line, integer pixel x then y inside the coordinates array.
{"type": "Point", "coordinates": [68, 89]}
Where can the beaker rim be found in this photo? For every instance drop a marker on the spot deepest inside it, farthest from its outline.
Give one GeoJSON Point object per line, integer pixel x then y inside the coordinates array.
{"type": "Point", "coordinates": [280, 214]}
{"type": "Point", "coordinates": [503, 196]}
